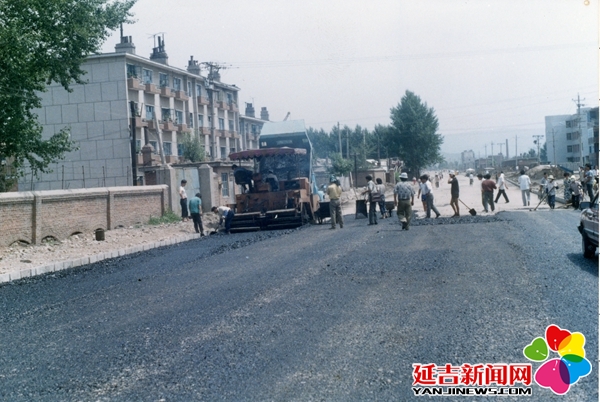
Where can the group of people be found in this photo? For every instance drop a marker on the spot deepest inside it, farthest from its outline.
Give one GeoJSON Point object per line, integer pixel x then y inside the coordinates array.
{"type": "Point", "coordinates": [193, 208]}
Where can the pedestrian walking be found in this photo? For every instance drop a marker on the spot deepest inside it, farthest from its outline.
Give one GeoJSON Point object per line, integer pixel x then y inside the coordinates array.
{"type": "Point", "coordinates": [334, 192]}
{"type": "Point", "coordinates": [381, 190]}
{"type": "Point", "coordinates": [480, 178]}
{"type": "Point", "coordinates": [183, 201]}
{"type": "Point", "coordinates": [501, 183]}
{"type": "Point", "coordinates": [373, 199]}
{"type": "Point", "coordinates": [437, 180]}
{"type": "Point", "coordinates": [575, 193]}
{"type": "Point", "coordinates": [421, 195]}
{"type": "Point", "coordinates": [525, 186]}
{"type": "Point", "coordinates": [470, 179]}
{"type": "Point", "coordinates": [567, 195]}
{"type": "Point", "coordinates": [195, 205]}
{"type": "Point", "coordinates": [551, 187]}
{"type": "Point", "coordinates": [226, 215]}
{"type": "Point", "coordinates": [453, 181]}
{"type": "Point", "coordinates": [427, 190]}
{"type": "Point", "coordinates": [488, 186]}
{"type": "Point", "coordinates": [404, 199]}
{"type": "Point", "coordinates": [588, 180]}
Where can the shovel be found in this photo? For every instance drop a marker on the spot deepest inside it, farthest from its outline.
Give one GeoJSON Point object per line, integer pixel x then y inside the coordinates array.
{"type": "Point", "coordinates": [471, 210]}
{"type": "Point", "coordinates": [540, 203]}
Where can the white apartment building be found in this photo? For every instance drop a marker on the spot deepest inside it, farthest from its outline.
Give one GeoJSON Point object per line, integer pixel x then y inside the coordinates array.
{"type": "Point", "coordinates": [123, 88]}
{"type": "Point", "coordinates": [571, 138]}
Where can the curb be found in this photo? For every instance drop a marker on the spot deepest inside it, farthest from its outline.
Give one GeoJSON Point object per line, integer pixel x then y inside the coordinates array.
{"type": "Point", "coordinates": [77, 262]}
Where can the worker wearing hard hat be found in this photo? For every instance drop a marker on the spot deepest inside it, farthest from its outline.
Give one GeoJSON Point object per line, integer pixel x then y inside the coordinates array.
{"type": "Point", "coordinates": [334, 192]}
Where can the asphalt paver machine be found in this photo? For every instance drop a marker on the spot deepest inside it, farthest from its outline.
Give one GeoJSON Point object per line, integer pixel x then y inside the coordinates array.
{"type": "Point", "coordinates": [282, 194]}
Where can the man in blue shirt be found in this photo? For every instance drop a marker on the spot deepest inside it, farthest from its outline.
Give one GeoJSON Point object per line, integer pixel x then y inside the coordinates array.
{"type": "Point", "coordinates": [196, 212]}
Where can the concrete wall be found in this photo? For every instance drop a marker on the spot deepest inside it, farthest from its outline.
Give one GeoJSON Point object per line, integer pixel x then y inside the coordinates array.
{"type": "Point", "coordinates": [97, 114]}
{"type": "Point", "coordinates": [33, 216]}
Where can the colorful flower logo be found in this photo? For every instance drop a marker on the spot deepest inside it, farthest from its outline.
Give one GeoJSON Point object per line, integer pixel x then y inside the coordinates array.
{"type": "Point", "coordinates": [559, 374]}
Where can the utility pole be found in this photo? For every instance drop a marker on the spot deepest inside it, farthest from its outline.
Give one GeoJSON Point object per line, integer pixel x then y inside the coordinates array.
{"type": "Point", "coordinates": [493, 161]}
{"type": "Point", "coordinates": [340, 138]}
{"type": "Point", "coordinates": [516, 154]}
{"type": "Point", "coordinates": [213, 72]}
{"type": "Point", "coordinates": [537, 141]}
{"type": "Point", "coordinates": [579, 105]}
{"type": "Point", "coordinates": [501, 144]}
{"type": "Point", "coordinates": [554, 147]}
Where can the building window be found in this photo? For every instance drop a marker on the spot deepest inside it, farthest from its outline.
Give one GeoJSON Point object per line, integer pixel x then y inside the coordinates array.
{"type": "Point", "coordinates": [229, 98]}
{"type": "Point", "coordinates": [191, 120]}
{"type": "Point", "coordinates": [231, 127]}
{"type": "Point", "coordinates": [198, 90]}
{"type": "Point", "coordinates": [165, 114]}
{"type": "Point", "coordinates": [225, 184]}
{"type": "Point", "coordinates": [231, 150]}
{"type": "Point", "coordinates": [163, 80]}
{"type": "Point", "coordinates": [189, 89]}
{"type": "Point", "coordinates": [221, 124]}
{"type": "Point", "coordinates": [569, 148]}
{"type": "Point", "coordinates": [138, 146]}
{"type": "Point", "coordinates": [131, 71]}
{"type": "Point", "coordinates": [147, 76]}
{"type": "Point", "coordinates": [569, 136]}
{"type": "Point", "coordinates": [149, 113]}
{"type": "Point", "coordinates": [179, 149]}
{"type": "Point", "coordinates": [154, 145]}
{"type": "Point", "coordinates": [254, 129]}
{"type": "Point", "coordinates": [167, 148]}
{"type": "Point", "coordinates": [177, 84]}
{"type": "Point", "coordinates": [200, 120]}
{"type": "Point", "coordinates": [178, 117]}
{"type": "Point", "coordinates": [223, 152]}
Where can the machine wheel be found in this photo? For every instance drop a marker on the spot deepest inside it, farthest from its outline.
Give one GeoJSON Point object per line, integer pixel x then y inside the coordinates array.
{"type": "Point", "coordinates": [589, 250]}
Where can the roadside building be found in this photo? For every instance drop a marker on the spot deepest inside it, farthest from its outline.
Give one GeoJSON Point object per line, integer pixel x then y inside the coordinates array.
{"type": "Point", "coordinates": [127, 100]}
{"type": "Point", "coordinates": [573, 139]}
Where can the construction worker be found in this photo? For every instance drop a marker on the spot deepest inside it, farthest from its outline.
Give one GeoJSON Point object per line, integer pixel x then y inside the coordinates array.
{"type": "Point", "coordinates": [225, 214]}
{"type": "Point", "coordinates": [334, 192]}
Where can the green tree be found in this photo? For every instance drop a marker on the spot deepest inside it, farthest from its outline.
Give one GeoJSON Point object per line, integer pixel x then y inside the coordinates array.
{"type": "Point", "coordinates": [193, 150]}
{"type": "Point", "coordinates": [544, 153]}
{"type": "Point", "coordinates": [412, 135]}
{"type": "Point", "coordinates": [340, 166]}
{"type": "Point", "coordinates": [44, 41]}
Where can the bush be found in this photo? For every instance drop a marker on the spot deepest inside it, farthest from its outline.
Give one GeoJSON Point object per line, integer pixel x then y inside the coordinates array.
{"type": "Point", "coordinates": [168, 217]}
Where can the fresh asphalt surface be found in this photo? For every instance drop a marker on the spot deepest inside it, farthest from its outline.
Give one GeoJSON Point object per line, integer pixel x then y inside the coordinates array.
{"type": "Point", "coordinates": [307, 314]}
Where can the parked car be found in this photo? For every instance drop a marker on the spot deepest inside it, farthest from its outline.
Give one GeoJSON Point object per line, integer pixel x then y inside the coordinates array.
{"type": "Point", "coordinates": [588, 227]}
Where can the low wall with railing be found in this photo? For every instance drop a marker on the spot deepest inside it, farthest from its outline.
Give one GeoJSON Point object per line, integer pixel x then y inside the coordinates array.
{"type": "Point", "coordinates": [32, 216]}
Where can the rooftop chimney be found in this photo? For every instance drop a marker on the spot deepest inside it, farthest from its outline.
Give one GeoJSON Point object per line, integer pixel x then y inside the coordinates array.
{"type": "Point", "coordinates": [158, 53]}
{"type": "Point", "coordinates": [264, 114]}
{"type": "Point", "coordinates": [126, 45]}
{"type": "Point", "coordinates": [249, 110]}
{"type": "Point", "coordinates": [193, 66]}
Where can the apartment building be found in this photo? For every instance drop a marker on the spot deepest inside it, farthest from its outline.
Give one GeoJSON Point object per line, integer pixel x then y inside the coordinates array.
{"type": "Point", "coordinates": [126, 92]}
{"type": "Point", "coordinates": [573, 138]}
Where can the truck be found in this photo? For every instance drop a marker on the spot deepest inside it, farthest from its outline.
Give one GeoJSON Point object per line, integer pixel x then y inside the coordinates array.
{"type": "Point", "coordinates": [284, 194]}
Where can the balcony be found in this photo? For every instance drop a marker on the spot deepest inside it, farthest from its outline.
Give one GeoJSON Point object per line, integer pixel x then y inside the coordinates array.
{"type": "Point", "coordinates": [202, 101]}
{"type": "Point", "coordinates": [181, 95]}
{"type": "Point", "coordinates": [234, 107]}
{"type": "Point", "coordinates": [140, 122]}
{"type": "Point", "coordinates": [204, 130]}
{"type": "Point", "coordinates": [151, 88]}
{"type": "Point", "coordinates": [171, 158]}
{"type": "Point", "coordinates": [167, 125]}
{"type": "Point", "coordinates": [183, 128]}
{"type": "Point", "coordinates": [152, 125]}
{"type": "Point", "coordinates": [234, 134]}
{"type": "Point", "coordinates": [223, 105]}
{"type": "Point", "coordinates": [134, 83]}
{"type": "Point", "coordinates": [167, 92]}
